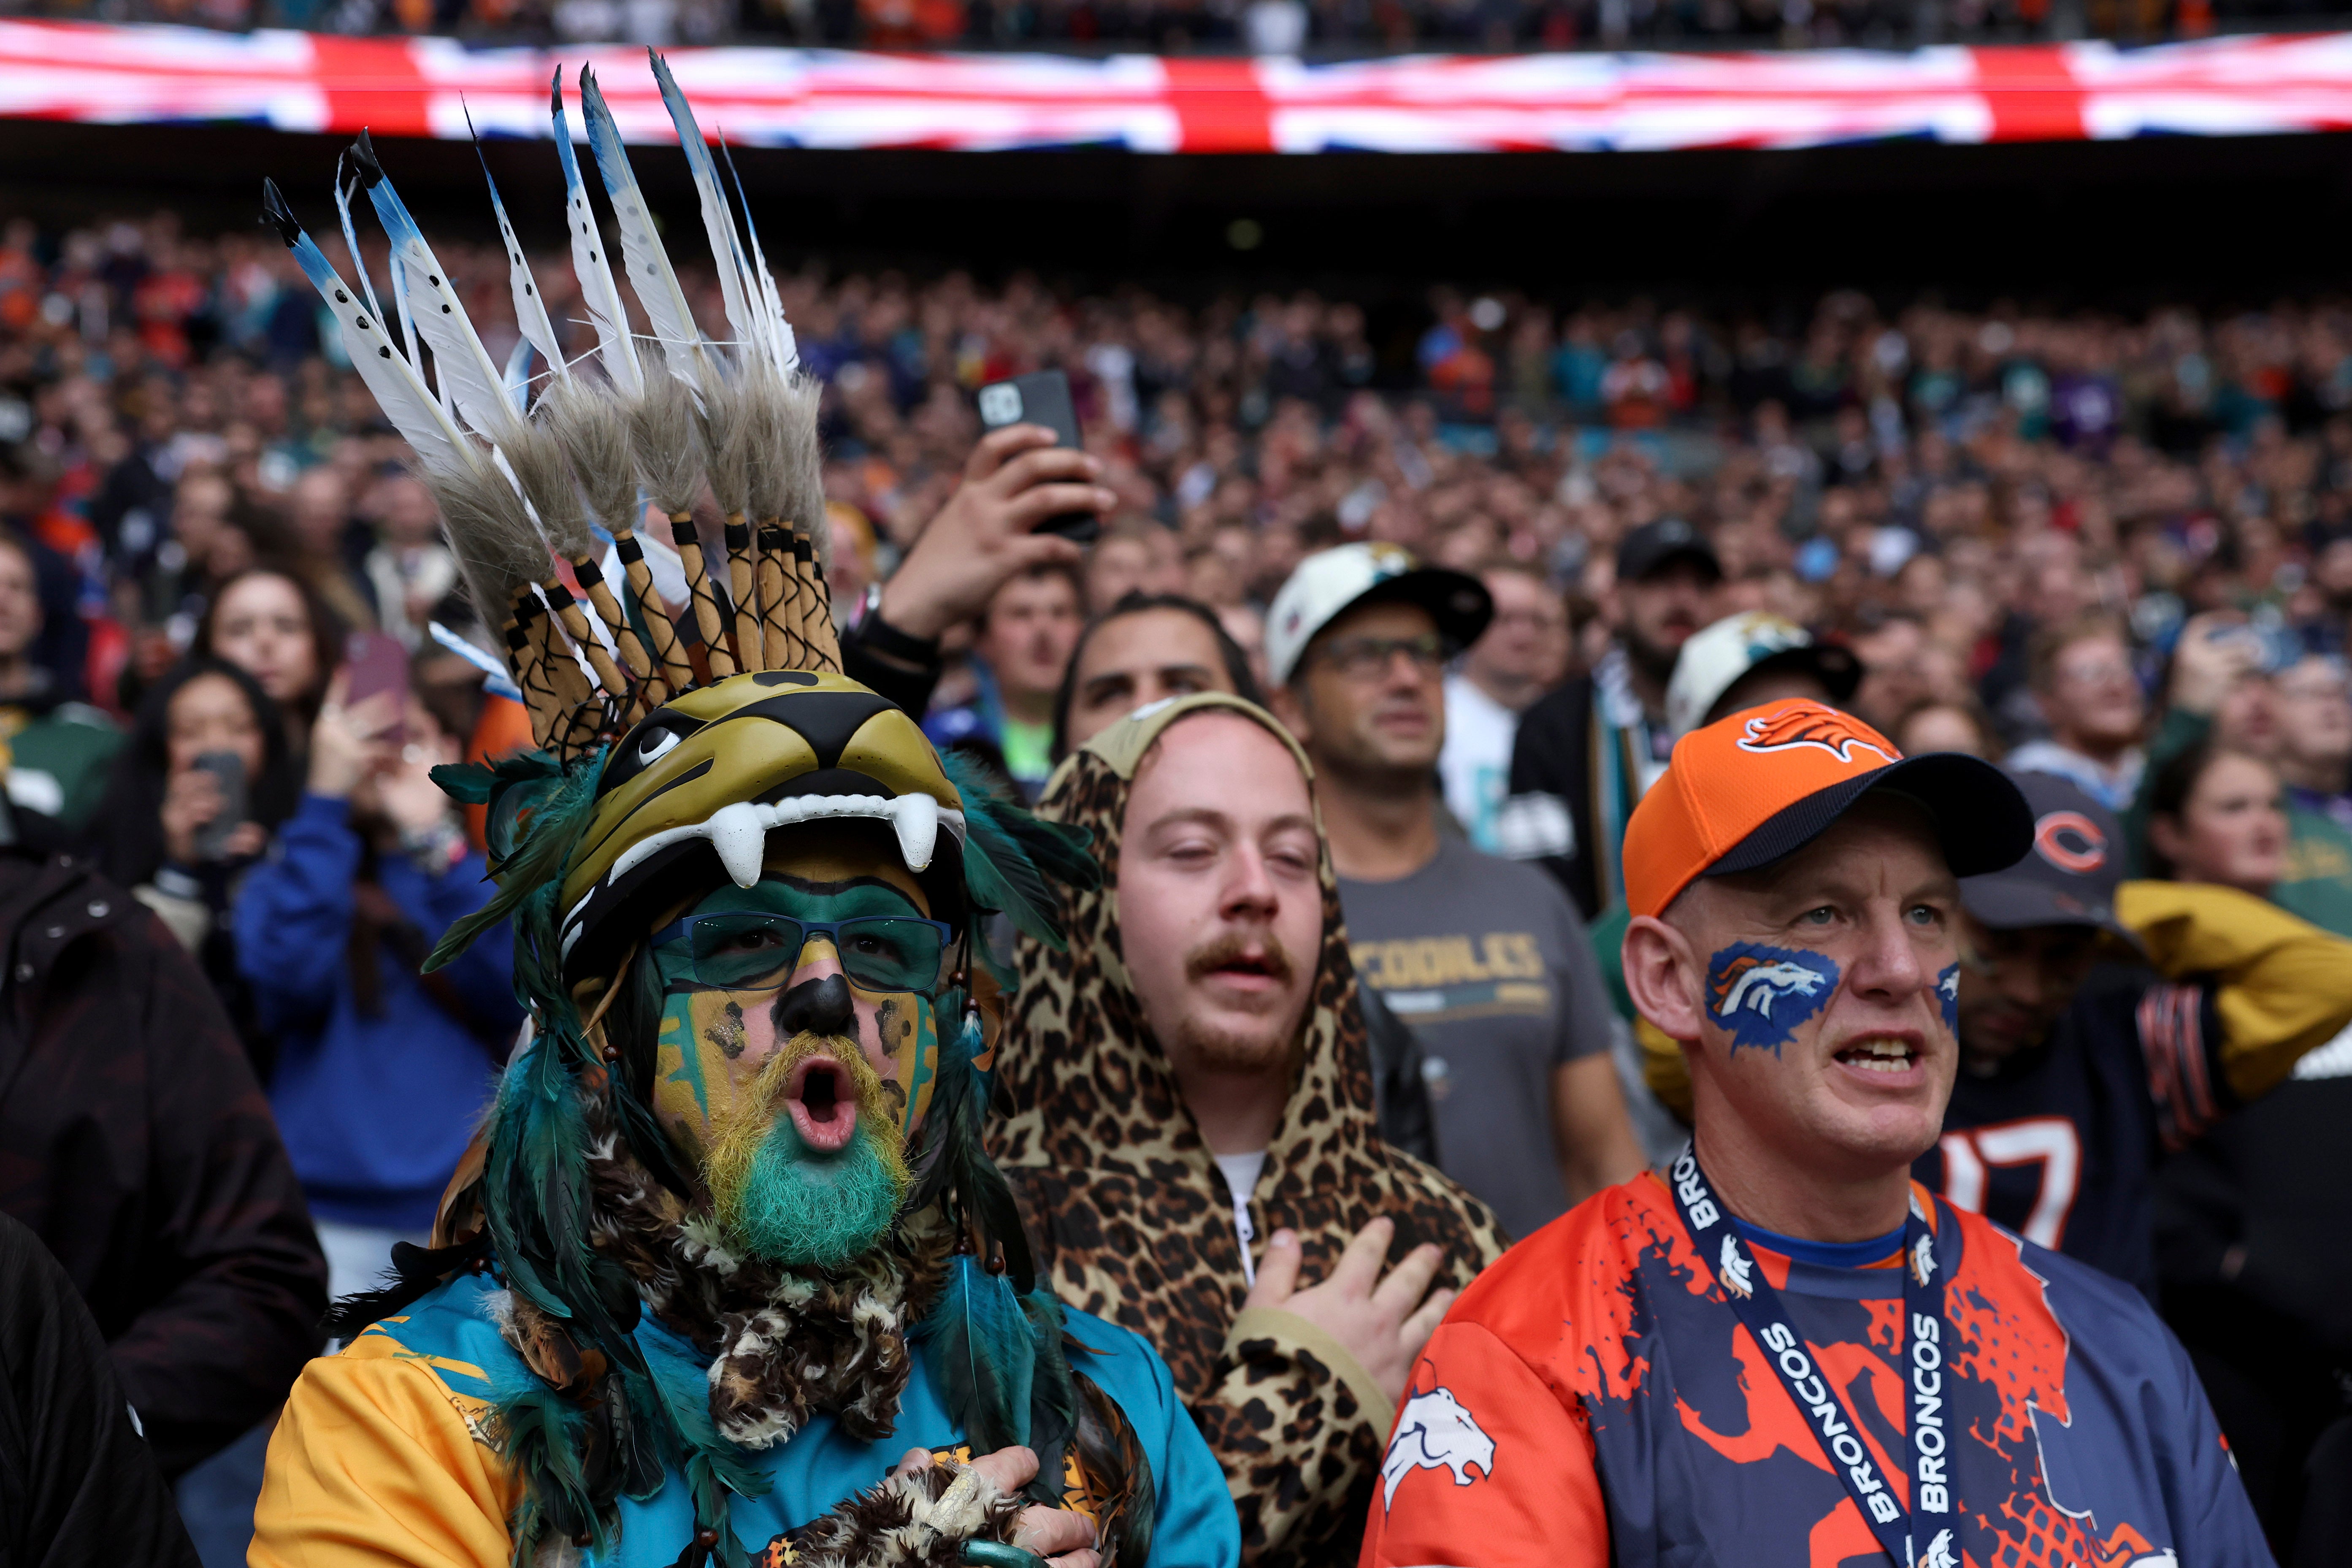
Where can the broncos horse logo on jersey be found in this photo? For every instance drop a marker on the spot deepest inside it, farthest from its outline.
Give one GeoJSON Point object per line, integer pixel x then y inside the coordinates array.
{"type": "Point", "coordinates": [1436, 1431]}
{"type": "Point", "coordinates": [1810, 724]}
{"type": "Point", "coordinates": [1759, 995]}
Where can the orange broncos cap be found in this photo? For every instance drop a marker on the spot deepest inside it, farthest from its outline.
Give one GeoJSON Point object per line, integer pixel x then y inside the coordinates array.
{"type": "Point", "coordinates": [1748, 790]}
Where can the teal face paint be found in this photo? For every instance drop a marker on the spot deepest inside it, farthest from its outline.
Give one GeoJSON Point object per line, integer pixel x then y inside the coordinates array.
{"type": "Point", "coordinates": [680, 1063]}
{"type": "Point", "coordinates": [1759, 995]}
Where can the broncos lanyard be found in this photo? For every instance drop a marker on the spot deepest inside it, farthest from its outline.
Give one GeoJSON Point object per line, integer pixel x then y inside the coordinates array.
{"type": "Point", "coordinates": [1757, 1306]}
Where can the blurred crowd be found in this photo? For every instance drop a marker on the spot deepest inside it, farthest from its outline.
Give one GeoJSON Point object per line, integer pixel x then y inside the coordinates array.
{"type": "Point", "coordinates": [1928, 484]}
{"type": "Point", "coordinates": [2114, 546]}
{"type": "Point", "coordinates": [1332, 28]}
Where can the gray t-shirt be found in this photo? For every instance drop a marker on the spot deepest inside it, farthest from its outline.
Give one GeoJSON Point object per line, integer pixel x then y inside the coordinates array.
{"type": "Point", "coordinates": [1487, 961]}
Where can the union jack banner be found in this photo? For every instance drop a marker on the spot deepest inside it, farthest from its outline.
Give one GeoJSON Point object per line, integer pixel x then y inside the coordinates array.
{"type": "Point", "coordinates": [842, 99]}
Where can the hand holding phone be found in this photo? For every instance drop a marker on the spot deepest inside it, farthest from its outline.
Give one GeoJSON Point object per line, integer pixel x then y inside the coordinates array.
{"type": "Point", "coordinates": [988, 533]}
{"type": "Point", "coordinates": [356, 735]}
{"type": "Point", "coordinates": [377, 665]}
{"type": "Point", "coordinates": [210, 841]}
{"type": "Point", "coordinates": [1042, 397]}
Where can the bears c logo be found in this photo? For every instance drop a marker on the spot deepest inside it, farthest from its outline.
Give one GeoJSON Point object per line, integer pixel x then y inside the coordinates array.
{"type": "Point", "coordinates": [1822, 729]}
{"type": "Point", "coordinates": [2071, 841]}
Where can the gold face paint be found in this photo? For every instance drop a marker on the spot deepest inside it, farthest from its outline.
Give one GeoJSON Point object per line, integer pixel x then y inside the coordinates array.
{"type": "Point", "coordinates": [696, 1075]}
{"type": "Point", "coordinates": [910, 1035]}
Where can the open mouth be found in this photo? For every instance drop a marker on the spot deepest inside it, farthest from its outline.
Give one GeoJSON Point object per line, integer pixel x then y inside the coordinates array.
{"type": "Point", "coordinates": [1250, 971]}
{"type": "Point", "coordinates": [1881, 1055]}
{"type": "Point", "coordinates": [823, 1105]}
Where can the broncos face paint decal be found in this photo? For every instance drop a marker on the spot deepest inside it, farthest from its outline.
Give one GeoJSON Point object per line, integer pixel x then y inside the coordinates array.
{"type": "Point", "coordinates": [1948, 997]}
{"type": "Point", "coordinates": [1759, 995]}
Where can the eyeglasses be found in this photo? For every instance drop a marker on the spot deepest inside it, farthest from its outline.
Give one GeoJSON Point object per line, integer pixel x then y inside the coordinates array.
{"type": "Point", "coordinates": [1368, 659]}
{"type": "Point", "coordinates": [2091, 672]}
{"type": "Point", "coordinates": [744, 950]}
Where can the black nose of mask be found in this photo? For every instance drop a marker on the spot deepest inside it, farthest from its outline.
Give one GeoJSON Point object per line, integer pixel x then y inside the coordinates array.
{"type": "Point", "coordinates": [818, 1007]}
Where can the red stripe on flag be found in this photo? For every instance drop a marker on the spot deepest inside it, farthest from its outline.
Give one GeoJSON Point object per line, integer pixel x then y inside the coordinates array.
{"type": "Point", "coordinates": [1218, 105]}
{"type": "Point", "coordinates": [2031, 93]}
{"type": "Point", "coordinates": [372, 83]}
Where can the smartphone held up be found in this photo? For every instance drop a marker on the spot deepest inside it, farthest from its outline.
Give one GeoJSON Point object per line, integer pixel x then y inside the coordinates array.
{"type": "Point", "coordinates": [1042, 397]}
{"type": "Point", "coordinates": [227, 770]}
{"type": "Point", "coordinates": [375, 664]}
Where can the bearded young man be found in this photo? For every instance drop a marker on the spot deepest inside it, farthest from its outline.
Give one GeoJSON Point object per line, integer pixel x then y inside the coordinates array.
{"type": "Point", "coordinates": [1786, 1351]}
{"type": "Point", "coordinates": [1194, 1143]}
{"type": "Point", "coordinates": [1584, 754]}
{"type": "Point", "coordinates": [730, 1277]}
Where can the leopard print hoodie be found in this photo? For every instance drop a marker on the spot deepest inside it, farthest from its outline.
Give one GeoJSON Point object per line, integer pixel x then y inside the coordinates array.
{"type": "Point", "coordinates": [1132, 1216]}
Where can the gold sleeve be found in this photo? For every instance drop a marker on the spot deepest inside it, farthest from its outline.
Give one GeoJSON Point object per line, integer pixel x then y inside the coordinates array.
{"type": "Point", "coordinates": [377, 1463]}
{"type": "Point", "coordinates": [2281, 985]}
{"type": "Point", "coordinates": [1663, 1069]}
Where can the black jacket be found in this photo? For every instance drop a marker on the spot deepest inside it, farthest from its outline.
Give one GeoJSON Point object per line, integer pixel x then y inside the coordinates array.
{"type": "Point", "coordinates": [136, 1144]}
{"type": "Point", "coordinates": [1553, 755]}
{"type": "Point", "coordinates": [77, 1486]}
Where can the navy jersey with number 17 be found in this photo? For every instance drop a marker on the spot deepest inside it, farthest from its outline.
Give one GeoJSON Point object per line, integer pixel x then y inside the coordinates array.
{"type": "Point", "coordinates": [2062, 1144]}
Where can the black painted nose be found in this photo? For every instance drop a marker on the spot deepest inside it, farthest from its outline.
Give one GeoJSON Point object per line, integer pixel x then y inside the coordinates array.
{"type": "Point", "coordinates": [818, 1007]}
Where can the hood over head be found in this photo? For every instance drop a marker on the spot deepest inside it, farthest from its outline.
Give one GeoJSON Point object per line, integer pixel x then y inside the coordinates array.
{"type": "Point", "coordinates": [1099, 1125]}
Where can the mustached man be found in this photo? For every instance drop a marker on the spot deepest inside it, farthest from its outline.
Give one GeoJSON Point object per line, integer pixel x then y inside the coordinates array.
{"type": "Point", "coordinates": [1783, 1351]}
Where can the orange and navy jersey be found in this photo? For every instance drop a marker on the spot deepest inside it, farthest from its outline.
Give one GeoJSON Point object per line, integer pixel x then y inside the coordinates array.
{"type": "Point", "coordinates": [1591, 1400]}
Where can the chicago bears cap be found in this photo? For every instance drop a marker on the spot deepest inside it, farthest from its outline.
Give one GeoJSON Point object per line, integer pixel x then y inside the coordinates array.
{"type": "Point", "coordinates": [2068, 878]}
{"type": "Point", "coordinates": [1751, 789]}
{"type": "Point", "coordinates": [1330, 583]}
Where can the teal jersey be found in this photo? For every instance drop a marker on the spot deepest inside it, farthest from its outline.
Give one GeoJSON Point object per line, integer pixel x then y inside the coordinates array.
{"type": "Point", "coordinates": [821, 1465]}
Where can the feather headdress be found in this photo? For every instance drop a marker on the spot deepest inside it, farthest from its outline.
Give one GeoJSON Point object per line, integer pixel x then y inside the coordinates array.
{"type": "Point", "coordinates": [671, 739]}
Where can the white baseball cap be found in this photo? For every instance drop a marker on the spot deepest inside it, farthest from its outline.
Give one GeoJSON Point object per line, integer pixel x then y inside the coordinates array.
{"type": "Point", "coordinates": [1716, 658]}
{"type": "Point", "coordinates": [1330, 583]}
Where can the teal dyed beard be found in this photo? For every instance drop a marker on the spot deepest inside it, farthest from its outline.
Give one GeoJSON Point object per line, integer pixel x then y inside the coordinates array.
{"type": "Point", "coordinates": [797, 1209]}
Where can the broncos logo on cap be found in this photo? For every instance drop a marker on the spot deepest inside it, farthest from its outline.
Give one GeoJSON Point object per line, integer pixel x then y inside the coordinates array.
{"type": "Point", "coordinates": [1810, 724]}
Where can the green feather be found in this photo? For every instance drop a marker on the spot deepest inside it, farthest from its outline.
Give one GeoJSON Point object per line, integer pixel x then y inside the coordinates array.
{"type": "Point", "coordinates": [984, 1354]}
{"type": "Point", "coordinates": [542, 1433]}
{"type": "Point", "coordinates": [1053, 1395]}
{"type": "Point", "coordinates": [1011, 859]}
{"type": "Point", "coordinates": [548, 809]}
